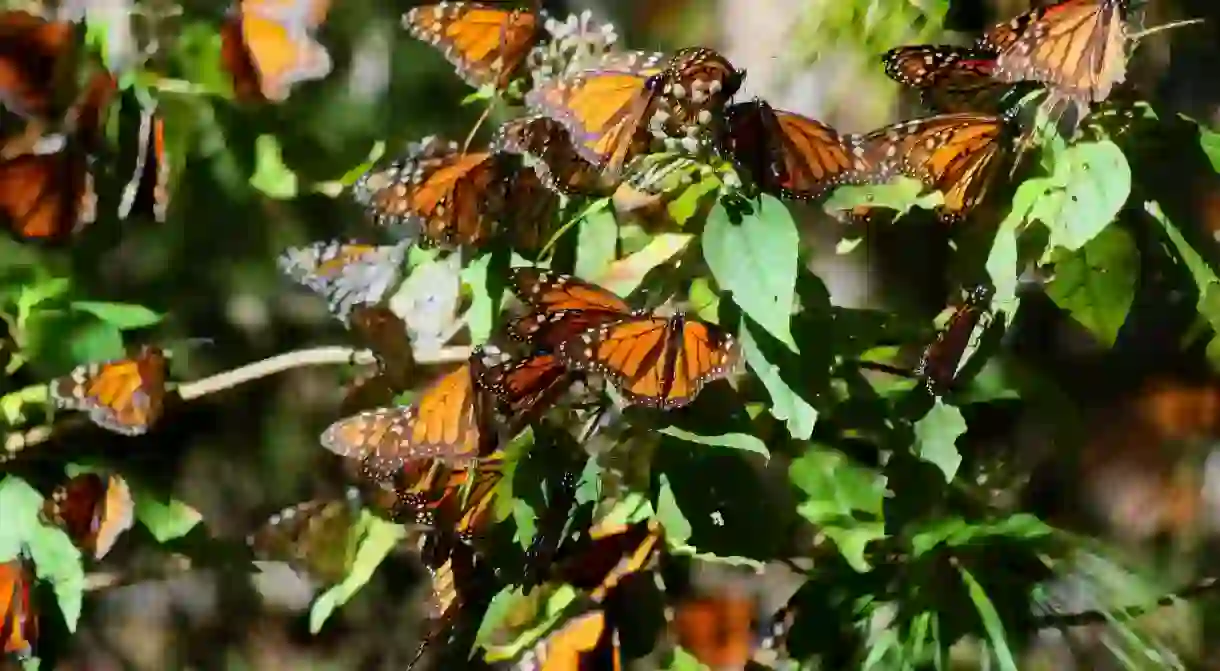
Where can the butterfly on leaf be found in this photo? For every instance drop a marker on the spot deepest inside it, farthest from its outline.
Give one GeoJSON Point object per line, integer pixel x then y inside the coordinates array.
{"type": "Point", "coordinates": [448, 422]}
{"type": "Point", "coordinates": [942, 360]}
{"type": "Point", "coordinates": [126, 396]}
{"type": "Point", "coordinates": [94, 509]}
{"type": "Point", "coordinates": [268, 47]}
{"type": "Point", "coordinates": [786, 154]}
{"type": "Point", "coordinates": [18, 618]}
{"type": "Point", "coordinates": [348, 274]}
{"type": "Point", "coordinates": [487, 44]}
{"type": "Point", "coordinates": [949, 78]}
{"type": "Point", "coordinates": [956, 154]}
{"type": "Point", "coordinates": [1075, 47]}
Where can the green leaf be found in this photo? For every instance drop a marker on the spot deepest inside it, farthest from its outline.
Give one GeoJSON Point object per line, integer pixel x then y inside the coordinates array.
{"type": "Point", "coordinates": [122, 316]}
{"type": "Point", "coordinates": [1208, 302]}
{"type": "Point", "coordinates": [901, 194]}
{"type": "Point", "coordinates": [481, 315]}
{"type": "Point", "coordinates": [786, 404]}
{"type": "Point", "coordinates": [754, 256]}
{"type": "Point", "coordinates": [991, 620]}
{"type": "Point", "coordinates": [59, 562]}
{"type": "Point", "coordinates": [1096, 284]}
{"type": "Point", "coordinates": [379, 538]}
{"type": "Point", "coordinates": [271, 175]}
{"type": "Point", "coordinates": [596, 242]}
{"type": "Point", "coordinates": [844, 501]}
{"type": "Point", "coordinates": [33, 295]}
{"type": "Point", "coordinates": [956, 531]}
{"type": "Point", "coordinates": [669, 514]}
{"type": "Point", "coordinates": [623, 276]}
{"type": "Point", "coordinates": [1210, 142]}
{"type": "Point", "coordinates": [936, 437]}
{"type": "Point", "coordinates": [1092, 181]}
{"type": "Point", "coordinates": [165, 520]}
{"type": "Point", "coordinates": [737, 441]}
{"type": "Point", "coordinates": [21, 504]}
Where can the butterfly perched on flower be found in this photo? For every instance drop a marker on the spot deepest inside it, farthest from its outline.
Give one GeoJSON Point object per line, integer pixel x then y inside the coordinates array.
{"type": "Point", "coordinates": [487, 44]}
{"type": "Point", "coordinates": [785, 153]}
{"type": "Point", "coordinates": [94, 509]}
{"type": "Point", "coordinates": [317, 537]}
{"type": "Point", "coordinates": [942, 359]}
{"type": "Point", "coordinates": [268, 47]}
{"type": "Point", "coordinates": [126, 396]}
{"type": "Point", "coordinates": [46, 179]}
{"type": "Point", "coordinates": [147, 194]}
{"type": "Point", "coordinates": [950, 79]}
{"type": "Point", "coordinates": [348, 274]}
{"type": "Point", "coordinates": [449, 422]}
{"type": "Point", "coordinates": [957, 154]}
{"type": "Point", "coordinates": [18, 618]}
{"type": "Point", "coordinates": [548, 150]}
{"type": "Point", "coordinates": [37, 56]}
{"type": "Point", "coordinates": [1076, 47]}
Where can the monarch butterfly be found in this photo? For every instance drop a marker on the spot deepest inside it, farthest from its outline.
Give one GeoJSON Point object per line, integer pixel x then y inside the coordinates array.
{"type": "Point", "coordinates": [525, 386]}
{"type": "Point", "coordinates": [548, 150]}
{"type": "Point", "coordinates": [448, 422]}
{"type": "Point", "coordinates": [562, 307]}
{"type": "Point", "coordinates": [126, 396]}
{"type": "Point", "coordinates": [316, 537]}
{"type": "Point", "coordinates": [486, 44]}
{"type": "Point", "coordinates": [148, 191]}
{"type": "Point", "coordinates": [348, 274]}
{"type": "Point", "coordinates": [268, 47]}
{"type": "Point", "coordinates": [462, 587]}
{"type": "Point", "coordinates": [94, 509]}
{"type": "Point", "coordinates": [785, 153]}
{"type": "Point", "coordinates": [717, 629]}
{"type": "Point", "coordinates": [950, 79]}
{"type": "Point", "coordinates": [587, 641]}
{"type": "Point", "coordinates": [1078, 47]}
{"type": "Point", "coordinates": [608, 554]}
{"type": "Point", "coordinates": [18, 618]}
{"type": "Point", "coordinates": [35, 55]}
{"type": "Point", "coordinates": [941, 360]}
{"type": "Point", "coordinates": [957, 154]}
{"type": "Point", "coordinates": [529, 210]}
{"type": "Point", "coordinates": [46, 190]}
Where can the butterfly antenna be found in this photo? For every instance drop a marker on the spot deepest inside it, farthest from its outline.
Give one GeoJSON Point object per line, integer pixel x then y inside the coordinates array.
{"type": "Point", "coordinates": [1166, 26]}
{"type": "Point", "coordinates": [477, 124]}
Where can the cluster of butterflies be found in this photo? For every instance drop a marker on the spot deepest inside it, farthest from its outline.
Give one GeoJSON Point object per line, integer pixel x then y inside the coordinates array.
{"type": "Point", "coordinates": [438, 462]}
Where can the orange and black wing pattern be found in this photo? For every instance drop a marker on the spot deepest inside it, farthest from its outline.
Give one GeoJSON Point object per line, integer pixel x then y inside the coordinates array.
{"type": "Point", "coordinates": [586, 641]}
{"type": "Point", "coordinates": [451, 197]}
{"type": "Point", "coordinates": [94, 509]}
{"type": "Point", "coordinates": [529, 214]}
{"type": "Point", "coordinates": [941, 360]}
{"type": "Point", "coordinates": [126, 396]}
{"type": "Point", "coordinates": [561, 307]}
{"type": "Point", "coordinates": [1077, 47]}
{"type": "Point", "coordinates": [718, 629]}
{"type": "Point", "coordinates": [445, 423]}
{"type": "Point", "coordinates": [486, 44]}
{"type": "Point", "coordinates": [654, 361]}
{"type": "Point", "coordinates": [957, 154]}
{"type": "Point", "coordinates": [526, 386]}
{"type": "Point", "coordinates": [35, 56]}
{"type": "Point", "coordinates": [949, 78]}
{"type": "Point", "coordinates": [605, 107]}
{"type": "Point", "coordinates": [268, 46]}
{"type": "Point", "coordinates": [786, 154]}
{"type": "Point", "coordinates": [18, 619]}
{"type": "Point", "coordinates": [693, 89]}
{"type": "Point", "coordinates": [348, 274]}
{"type": "Point", "coordinates": [547, 149]}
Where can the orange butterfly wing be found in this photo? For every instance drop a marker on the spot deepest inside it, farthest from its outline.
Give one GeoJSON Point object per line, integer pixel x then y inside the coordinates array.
{"type": "Point", "coordinates": [718, 629]}
{"type": "Point", "coordinates": [561, 307]}
{"type": "Point", "coordinates": [654, 361]}
{"type": "Point", "coordinates": [267, 47]}
{"type": "Point", "coordinates": [126, 396]}
{"type": "Point", "coordinates": [786, 154]}
{"type": "Point", "coordinates": [527, 385]}
{"type": "Point", "coordinates": [548, 151]}
{"type": "Point", "coordinates": [33, 56]}
{"type": "Point", "coordinates": [584, 642]}
{"type": "Point", "coordinates": [487, 45]}
{"type": "Point", "coordinates": [94, 509]}
{"type": "Point", "coordinates": [18, 619]}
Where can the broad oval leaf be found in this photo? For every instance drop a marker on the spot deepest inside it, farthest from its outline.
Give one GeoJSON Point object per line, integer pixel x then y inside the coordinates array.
{"type": "Point", "coordinates": [936, 437]}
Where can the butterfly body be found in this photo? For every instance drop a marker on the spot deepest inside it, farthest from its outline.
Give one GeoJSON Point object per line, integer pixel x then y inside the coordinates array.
{"type": "Point", "coordinates": [126, 396]}
{"type": "Point", "coordinates": [485, 44]}
{"type": "Point", "coordinates": [785, 153]}
{"type": "Point", "coordinates": [942, 359]}
{"type": "Point", "coordinates": [94, 509]}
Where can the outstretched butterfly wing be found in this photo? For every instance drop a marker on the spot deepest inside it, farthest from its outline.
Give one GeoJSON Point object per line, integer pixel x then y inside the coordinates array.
{"type": "Point", "coordinates": [561, 307]}
{"type": "Point", "coordinates": [547, 148]}
{"type": "Point", "coordinates": [35, 55]}
{"type": "Point", "coordinates": [950, 79]}
{"type": "Point", "coordinates": [267, 46]}
{"type": "Point", "coordinates": [126, 396]}
{"type": "Point", "coordinates": [348, 274]}
{"type": "Point", "coordinates": [485, 43]}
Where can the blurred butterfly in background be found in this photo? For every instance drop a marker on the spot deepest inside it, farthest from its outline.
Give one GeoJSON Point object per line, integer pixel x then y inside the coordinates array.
{"type": "Point", "coordinates": [46, 180]}
{"type": "Point", "coordinates": [94, 509]}
{"type": "Point", "coordinates": [37, 61]}
{"type": "Point", "coordinates": [547, 149]}
{"type": "Point", "coordinates": [18, 618]}
{"type": "Point", "coordinates": [786, 154]}
{"type": "Point", "coordinates": [317, 538]}
{"type": "Point", "coordinates": [1076, 47]}
{"type": "Point", "coordinates": [126, 396]}
{"type": "Point", "coordinates": [585, 641]}
{"type": "Point", "coordinates": [717, 627]}
{"type": "Point", "coordinates": [957, 154]}
{"type": "Point", "coordinates": [429, 298]}
{"type": "Point", "coordinates": [346, 273]}
{"type": "Point", "coordinates": [942, 360]}
{"type": "Point", "coordinates": [487, 44]}
{"type": "Point", "coordinates": [147, 194]}
{"type": "Point", "coordinates": [268, 47]}
{"type": "Point", "coordinates": [949, 78]}
{"type": "Point", "coordinates": [448, 422]}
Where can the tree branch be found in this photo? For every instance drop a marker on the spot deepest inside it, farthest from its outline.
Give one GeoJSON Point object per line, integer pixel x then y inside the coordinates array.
{"type": "Point", "coordinates": [316, 356]}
